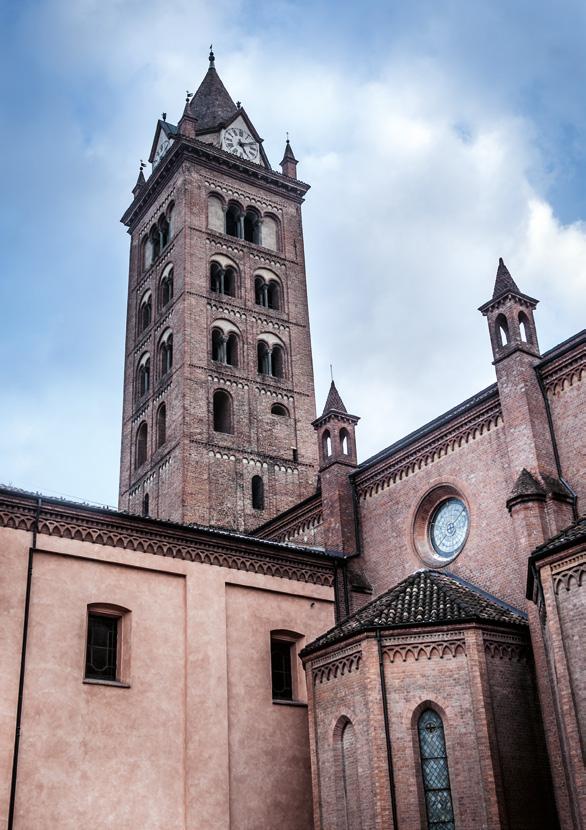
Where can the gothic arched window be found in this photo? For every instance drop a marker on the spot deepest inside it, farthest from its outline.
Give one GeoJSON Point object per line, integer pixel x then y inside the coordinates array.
{"type": "Point", "coordinates": [435, 773]}
{"type": "Point", "coordinates": [252, 226]}
{"type": "Point", "coordinates": [326, 442]}
{"type": "Point", "coordinates": [502, 328]}
{"type": "Point", "coordinates": [345, 441]}
{"type": "Point", "coordinates": [258, 493]}
{"type": "Point", "coordinates": [166, 288]}
{"type": "Point", "coordinates": [141, 445]}
{"type": "Point", "coordinates": [222, 412]}
{"type": "Point", "coordinates": [145, 312]}
{"type": "Point", "coordinates": [524, 327]}
{"type": "Point", "coordinates": [161, 425]}
{"type": "Point", "coordinates": [166, 354]}
{"type": "Point", "coordinates": [143, 378]}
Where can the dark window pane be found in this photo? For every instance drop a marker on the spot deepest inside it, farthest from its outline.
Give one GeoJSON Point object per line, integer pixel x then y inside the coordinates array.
{"type": "Point", "coordinates": [281, 670]}
{"type": "Point", "coordinates": [102, 636]}
{"type": "Point", "coordinates": [434, 766]}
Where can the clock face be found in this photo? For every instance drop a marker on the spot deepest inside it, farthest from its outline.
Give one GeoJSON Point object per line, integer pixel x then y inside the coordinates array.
{"type": "Point", "coordinates": [448, 528]}
{"type": "Point", "coordinates": [240, 143]}
{"type": "Point", "coordinates": [161, 150]}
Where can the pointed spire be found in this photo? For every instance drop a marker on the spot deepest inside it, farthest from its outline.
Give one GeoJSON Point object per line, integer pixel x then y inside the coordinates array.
{"type": "Point", "coordinates": [212, 57]}
{"type": "Point", "coordinates": [141, 181]}
{"type": "Point", "coordinates": [504, 282]}
{"type": "Point", "coordinates": [289, 162]}
{"type": "Point", "coordinates": [211, 105]}
{"type": "Point", "coordinates": [334, 402]}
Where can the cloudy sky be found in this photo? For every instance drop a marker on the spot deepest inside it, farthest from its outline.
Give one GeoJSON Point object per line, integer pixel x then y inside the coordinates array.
{"type": "Point", "coordinates": [437, 136]}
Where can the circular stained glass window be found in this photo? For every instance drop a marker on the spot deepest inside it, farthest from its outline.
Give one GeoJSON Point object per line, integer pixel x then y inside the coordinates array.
{"type": "Point", "coordinates": [448, 527]}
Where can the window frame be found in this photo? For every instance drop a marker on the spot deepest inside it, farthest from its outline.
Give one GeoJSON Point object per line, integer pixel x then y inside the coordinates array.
{"type": "Point", "coordinates": [123, 628]}
{"type": "Point", "coordinates": [294, 641]}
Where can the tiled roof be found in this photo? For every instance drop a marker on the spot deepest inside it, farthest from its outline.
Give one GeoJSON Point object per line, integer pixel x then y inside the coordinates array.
{"type": "Point", "coordinates": [526, 485]}
{"type": "Point", "coordinates": [570, 536]}
{"type": "Point", "coordinates": [504, 282]}
{"type": "Point", "coordinates": [211, 105]}
{"type": "Point", "coordinates": [334, 401]}
{"type": "Point", "coordinates": [426, 597]}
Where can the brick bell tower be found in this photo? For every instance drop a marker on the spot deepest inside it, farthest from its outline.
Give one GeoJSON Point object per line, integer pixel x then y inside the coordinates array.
{"type": "Point", "coordinates": [218, 389]}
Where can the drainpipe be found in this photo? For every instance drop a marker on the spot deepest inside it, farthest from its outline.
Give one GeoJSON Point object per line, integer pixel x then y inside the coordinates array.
{"type": "Point", "coordinates": [27, 603]}
{"type": "Point", "coordinates": [558, 463]}
{"type": "Point", "coordinates": [383, 690]}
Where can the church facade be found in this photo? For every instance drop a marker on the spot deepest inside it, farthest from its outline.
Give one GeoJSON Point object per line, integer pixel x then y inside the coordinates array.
{"type": "Point", "coordinates": [267, 632]}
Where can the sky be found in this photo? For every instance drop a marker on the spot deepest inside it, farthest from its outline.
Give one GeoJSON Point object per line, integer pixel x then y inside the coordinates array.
{"type": "Point", "coordinates": [436, 135]}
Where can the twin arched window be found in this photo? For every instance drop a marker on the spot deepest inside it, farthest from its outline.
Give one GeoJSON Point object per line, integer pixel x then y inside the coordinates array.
{"type": "Point", "coordinates": [267, 293]}
{"type": "Point", "coordinates": [270, 359]}
{"type": "Point", "coordinates": [243, 224]}
{"type": "Point", "coordinates": [166, 353]}
{"type": "Point", "coordinates": [223, 280]}
{"type": "Point", "coordinates": [157, 239]}
{"type": "Point", "coordinates": [247, 224]}
{"type": "Point", "coordinates": [224, 347]}
{"type": "Point", "coordinates": [166, 288]}
{"type": "Point", "coordinates": [145, 312]}
{"type": "Point", "coordinates": [222, 412]}
{"type": "Point", "coordinates": [143, 377]}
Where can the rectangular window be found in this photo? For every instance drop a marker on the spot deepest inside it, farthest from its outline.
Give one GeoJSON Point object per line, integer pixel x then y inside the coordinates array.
{"type": "Point", "coordinates": [281, 669]}
{"type": "Point", "coordinates": [102, 647]}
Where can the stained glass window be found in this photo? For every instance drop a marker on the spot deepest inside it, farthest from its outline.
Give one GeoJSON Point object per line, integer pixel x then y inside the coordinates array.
{"type": "Point", "coordinates": [434, 766]}
{"type": "Point", "coordinates": [102, 636]}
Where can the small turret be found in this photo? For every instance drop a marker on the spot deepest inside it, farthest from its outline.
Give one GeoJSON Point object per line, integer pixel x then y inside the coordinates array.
{"type": "Point", "coordinates": [289, 162]}
{"type": "Point", "coordinates": [140, 182]}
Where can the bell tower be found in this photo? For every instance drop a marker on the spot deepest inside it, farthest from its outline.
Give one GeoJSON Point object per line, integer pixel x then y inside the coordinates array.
{"type": "Point", "coordinates": [218, 389]}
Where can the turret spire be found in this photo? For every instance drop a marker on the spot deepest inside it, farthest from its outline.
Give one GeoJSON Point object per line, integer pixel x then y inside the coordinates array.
{"type": "Point", "coordinates": [504, 282]}
{"type": "Point", "coordinates": [289, 162]}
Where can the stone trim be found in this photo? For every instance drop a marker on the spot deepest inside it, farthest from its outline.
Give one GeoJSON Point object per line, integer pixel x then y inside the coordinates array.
{"type": "Point", "coordinates": [429, 449]}
{"type": "Point", "coordinates": [84, 524]}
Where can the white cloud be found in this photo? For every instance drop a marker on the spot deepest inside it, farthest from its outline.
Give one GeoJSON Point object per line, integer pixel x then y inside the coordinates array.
{"type": "Point", "coordinates": [417, 189]}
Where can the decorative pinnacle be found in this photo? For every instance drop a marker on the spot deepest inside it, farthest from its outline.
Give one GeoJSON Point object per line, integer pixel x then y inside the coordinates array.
{"type": "Point", "coordinates": [188, 96]}
{"type": "Point", "coordinates": [142, 165]}
{"type": "Point", "coordinates": [164, 116]}
{"type": "Point", "coordinates": [212, 56]}
{"type": "Point", "coordinates": [239, 104]}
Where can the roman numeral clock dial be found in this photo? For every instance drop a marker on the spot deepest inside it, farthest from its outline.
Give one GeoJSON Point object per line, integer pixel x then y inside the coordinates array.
{"type": "Point", "coordinates": [240, 143]}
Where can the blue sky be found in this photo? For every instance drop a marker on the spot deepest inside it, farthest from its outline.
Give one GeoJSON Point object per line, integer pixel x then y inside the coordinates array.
{"type": "Point", "coordinates": [437, 136]}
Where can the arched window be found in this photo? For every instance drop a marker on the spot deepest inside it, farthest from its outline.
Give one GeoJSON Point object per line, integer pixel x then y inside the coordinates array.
{"type": "Point", "coordinates": [145, 312]}
{"type": "Point", "coordinates": [218, 346]}
{"type": "Point", "coordinates": [143, 380]}
{"type": "Point", "coordinates": [279, 409]}
{"type": "Point", "coordinates": [155, 240]}
{"type": "Point", "coordinates": [234, 221]}
{"type": "Point", "coordinates": [222, 280]}
{"type": "Point", "coordinates": [263, 358]}
{"type": "Point", "coordinates": [222, 406]}
{"type": "Point", "coordinates": [524, 327]}
{"type": "Point", "coordinates": [252, 226]}
{"type": "Point", "coordinates": [166, 288]}
{"type": "Point", "coordinates": [164, 231]}
{"type": "Point", "coordinates": [161, 425]}
{"type": "Point", "coordinates": [270, 233]}
{"type": "Point", "coordinates": [345, 441]}
{"type": "Point", "coordinates": [141, 445]}
{"type": "Point", "coordinates": [348, 771]}
{"type": "Point", "coordinates": [215, 213]}
{"type": "Point", "coordinates": [502, 328]}
{"type": "Point", "coordinates": [434, 768]}
{"type": "Point", "coordinates": [258, 493]}
{"type": "Point", "coordinates": [145, 504]}
{"type": "Point", "coordinates": [274, 295]}
{"type": "Point", "coordinates": [232, 350]}
{"type": "Point", "coordinates": [144, 253]}
{"type": "Point", "coordinates": [261, 292]}
{"type": "Point", "coordinates": [166, 354]}
{"type": "Point", "coordinates": [277, 362]}
{"type": "Point", "coordinates": [326, 442]}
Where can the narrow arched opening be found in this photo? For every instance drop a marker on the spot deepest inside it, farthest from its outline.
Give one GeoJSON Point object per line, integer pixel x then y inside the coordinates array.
{"type": "Point", "coordinates": [326, 441]}
{"type": "Point", "coordinates": [274, 295]}
{"type": "Point", "coordinates": [252, 226]}
{"type": "Point", "coordinates": [258, 493]}
{"type": "Point", "coordinates": [524, 327]}
{"type": "Point", "coordinates": [222, 412]}
{"type": "Point", "coordinates": [435, 772]}
{"type": "Point", "coordinates": [345, 441]}
{"type": "Point", "coordinates": [277, 361]}
{"type": "Point", "coordinates": [141, 445]}
{"type": "Point", "coordinates": [161, 425]}
{"type": "Point", "coordinates": [166, 288]}
{"type": "Point", "coordinates": [502, 328]}
{"type": "Point", "coordinates": [234, 223]}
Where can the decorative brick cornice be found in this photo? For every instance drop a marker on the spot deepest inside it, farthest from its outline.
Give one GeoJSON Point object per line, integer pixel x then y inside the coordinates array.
{"type": "Point", "coordinates": [250, 198]}
{"type": "Point", "coordinates": [235, 245]}
{"type": "Point", "coordinates": [435, 445]}
{"type": "Point", "coordinates": [570, 573]}
{"type": "Point", "coordinates": [506, 647]}
{"type": "Point", "coordinates": [342, 663]}
{"type": "Point", "coordinates": [193, 544]}
{"type": "Point", "coordinates": [284, 528]}
{"type": "Point", "coordinates": [563, 373]}
{"type": "Point", "coordinates": [424, 645]}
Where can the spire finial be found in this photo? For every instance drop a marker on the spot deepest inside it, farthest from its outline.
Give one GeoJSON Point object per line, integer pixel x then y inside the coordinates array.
{"type": "Point", "coordinates": [212, 56]}
{"type": "Point", "coordinates": [287, 134]}
{"type": "Point", "coordinates": [332, 372]}
{"type": "Point", "coordinates": [142, 165]}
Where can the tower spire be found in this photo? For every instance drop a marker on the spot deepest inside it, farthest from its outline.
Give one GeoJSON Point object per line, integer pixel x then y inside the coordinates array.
{"type": "Point", "coordinates": [212, 57]}
{"type": "Point", "coordinates": [289, 162]}
{"type": "Point", "coordinates": [504, 283]}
